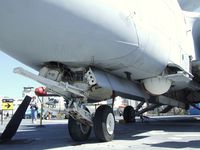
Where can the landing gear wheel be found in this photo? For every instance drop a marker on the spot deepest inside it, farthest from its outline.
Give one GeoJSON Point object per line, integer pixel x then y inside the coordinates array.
{"type": "Point", "coordinates": [104, 123]}
{"type": "Point", "coordinates": [129, 114]}
{"type": "Point", "coordinates": [78, 131]}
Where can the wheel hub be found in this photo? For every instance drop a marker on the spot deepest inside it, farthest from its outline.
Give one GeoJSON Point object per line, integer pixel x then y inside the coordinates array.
{"type": "Point", "coordinates": [110, 123]}
{"type": "Point", "coordinates": [84, 128]}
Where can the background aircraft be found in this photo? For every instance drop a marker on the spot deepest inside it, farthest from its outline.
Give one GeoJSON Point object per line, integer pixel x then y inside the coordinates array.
{"type": "Point", "coordinates": [95, 50]}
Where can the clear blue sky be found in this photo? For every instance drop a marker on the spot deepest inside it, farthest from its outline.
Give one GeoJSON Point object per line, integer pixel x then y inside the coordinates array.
{"type": "Point", "coordinates": [11, 84]}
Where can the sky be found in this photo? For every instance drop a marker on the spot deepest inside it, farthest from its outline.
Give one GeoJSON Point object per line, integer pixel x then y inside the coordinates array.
{"type": "Point", "coordinates": [11, 84]}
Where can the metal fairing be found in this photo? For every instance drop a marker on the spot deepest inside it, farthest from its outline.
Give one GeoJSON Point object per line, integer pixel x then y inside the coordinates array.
{"type": "Point", "coordinates": [120, 86]}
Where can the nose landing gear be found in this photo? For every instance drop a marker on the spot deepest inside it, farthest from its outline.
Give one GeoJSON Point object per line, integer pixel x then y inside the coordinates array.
{"type": "Point", "coordinates": [103, 123]}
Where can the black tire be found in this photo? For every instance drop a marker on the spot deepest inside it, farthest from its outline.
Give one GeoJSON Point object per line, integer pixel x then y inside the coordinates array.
{"type": "Point", "coordinates": [104, 123]}
{"type": "Point", "coordinates": [129, 114]}
{"type": "Point", "coordinates": [78, 131]}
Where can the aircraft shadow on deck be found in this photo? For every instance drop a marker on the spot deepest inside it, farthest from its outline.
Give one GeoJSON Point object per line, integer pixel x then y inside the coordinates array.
{"type": "Point", "coordinates": [176, 144]}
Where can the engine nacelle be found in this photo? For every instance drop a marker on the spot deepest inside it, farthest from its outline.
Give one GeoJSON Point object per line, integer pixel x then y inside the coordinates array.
{"type": "Point", "coordinates": [157, 85]}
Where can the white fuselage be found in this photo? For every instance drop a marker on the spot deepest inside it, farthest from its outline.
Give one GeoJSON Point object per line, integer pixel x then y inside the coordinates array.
{"type": "Point", "coordinates": [137, 36]}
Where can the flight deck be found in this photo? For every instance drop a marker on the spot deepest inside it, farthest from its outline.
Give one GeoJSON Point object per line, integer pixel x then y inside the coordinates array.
{"type": "Point", "coordinates": [156, 133]}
